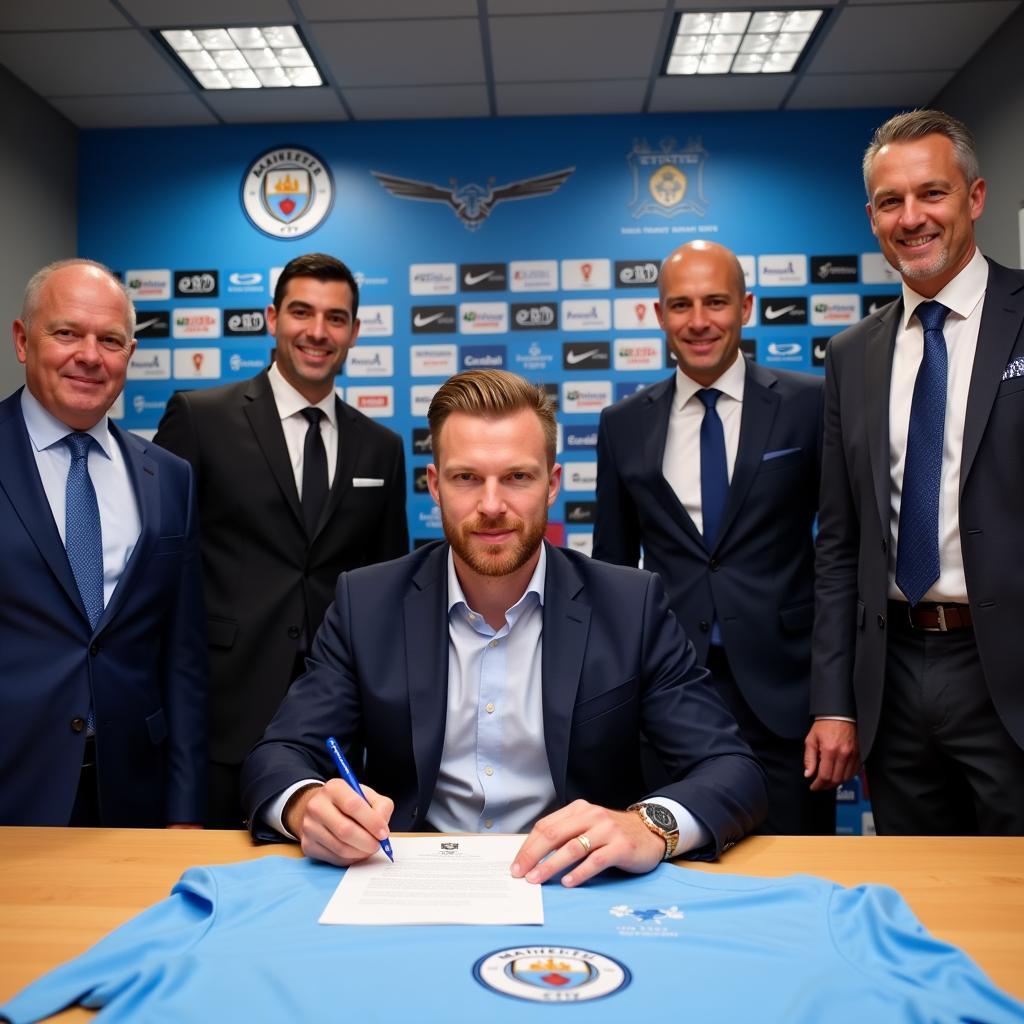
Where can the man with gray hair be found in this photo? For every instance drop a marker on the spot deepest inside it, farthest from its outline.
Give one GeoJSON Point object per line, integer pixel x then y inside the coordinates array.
{"type": "Point", "coordinates": [916, 663]}
{"type": "Point", "coordinates": [102, 651]}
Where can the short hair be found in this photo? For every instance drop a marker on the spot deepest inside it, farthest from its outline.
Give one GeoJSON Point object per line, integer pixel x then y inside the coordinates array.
{"type": "Point", "coordinates": [321, 267]}
{"type": "Point", "coordinates": [916, 124]}
{"type": "Point", "coordinates": [491, 394]}
{"type": "Point", "coordinates": [35, 285]}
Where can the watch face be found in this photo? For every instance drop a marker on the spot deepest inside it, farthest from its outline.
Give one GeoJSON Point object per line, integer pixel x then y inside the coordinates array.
{"type": "Point", "coordinates": [661, 817]}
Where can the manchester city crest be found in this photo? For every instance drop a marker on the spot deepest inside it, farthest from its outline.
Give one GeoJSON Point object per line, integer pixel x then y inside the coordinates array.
{"type": "Point", "coordinates": [551, 974]}
{"type": "Point", "coordinates": [287, 192]}
{"type": "Point", "coordinates": [667, 181]}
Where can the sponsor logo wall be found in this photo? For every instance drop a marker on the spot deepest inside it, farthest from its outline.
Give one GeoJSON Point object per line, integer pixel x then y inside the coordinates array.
{"type": "Point", "coordinates": [533, 246]}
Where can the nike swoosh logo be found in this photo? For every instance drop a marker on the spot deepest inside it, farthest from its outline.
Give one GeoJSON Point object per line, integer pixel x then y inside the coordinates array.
{"type": "Point", "coordinates": [422, 321]}
{"type": "Point", "coordinates": [472, 279]}
{"type": "Point", "coordinates": [572, 358]}
{"type": "Point", "coordinates": [876, 306]}
{"type": "Point", "coordinates": [819, 352]}
{"type": "Point", "coordinates": [771, 313]}
{"type": "Point", "coordinates": [143, 324]}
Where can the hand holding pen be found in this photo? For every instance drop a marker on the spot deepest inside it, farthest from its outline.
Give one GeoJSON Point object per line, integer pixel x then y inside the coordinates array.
{"type": "Point", "coordinates": [345, 771]}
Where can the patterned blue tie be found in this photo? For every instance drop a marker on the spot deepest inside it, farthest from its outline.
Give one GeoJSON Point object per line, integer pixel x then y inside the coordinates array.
{"type": "Point", "coordinates": [714, 477]}
{"type": "Point", "coordinates": [917, 557]}
{"type": "Point", "coordinates": [82, 535]}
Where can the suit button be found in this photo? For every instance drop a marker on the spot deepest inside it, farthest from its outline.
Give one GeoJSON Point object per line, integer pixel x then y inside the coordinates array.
{"type": "Point", "coordinates": [704, 625]}
{"type": "Point", "coordinates": [881, 622]}
{"type": "Point", "coordinates": [293, 632]}
{"type": "Point", "coordinates": [94, 649]}
{"type": "Point", "coordinates": [713, 565]}
{"type": "Point", "coordinates": [77, 724]}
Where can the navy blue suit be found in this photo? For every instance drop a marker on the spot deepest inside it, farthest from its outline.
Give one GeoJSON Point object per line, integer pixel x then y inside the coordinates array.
{"type": "Point", "coordinates": [143, 667]}
{"type": "Point", "coordinates": [758, 576]}
{"type": "Point", "coordinates": [614, 664]}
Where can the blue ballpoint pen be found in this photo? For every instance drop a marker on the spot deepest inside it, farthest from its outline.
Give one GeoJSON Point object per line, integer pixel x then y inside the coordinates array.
{"type": "Point", "coordinates": [345, 771]}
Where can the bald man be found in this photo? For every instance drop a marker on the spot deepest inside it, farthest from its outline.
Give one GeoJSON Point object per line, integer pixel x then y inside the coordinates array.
{"type": "Point", "coordinates": [713, 474]}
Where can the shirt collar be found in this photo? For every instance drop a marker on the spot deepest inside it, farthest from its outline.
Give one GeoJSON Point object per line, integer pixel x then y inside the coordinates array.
{"type": "Point", "coordinates": [730, 383]}
{"type": "Point", "coordinates": [290, 403]}
{"type": "Point", "coordinates": [535, 586]}
{"type": "Point", "coordinates": [45, 430]}
{"type": "Point", "coordinates": [960, 296]}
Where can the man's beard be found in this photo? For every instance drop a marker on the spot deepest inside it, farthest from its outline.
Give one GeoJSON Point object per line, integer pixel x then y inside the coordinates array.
{"type": "Point", "coordinates": [494, 560]}
{"type": "Point", "coordinates": [915, 271]}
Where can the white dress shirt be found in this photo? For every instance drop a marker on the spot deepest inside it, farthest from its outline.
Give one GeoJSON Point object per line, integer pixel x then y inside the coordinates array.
{"type": "Point", "coordinates": [681, 462]}
{"type": "Point", "coordinates": [964, 297]}
{"type": "Point", "coordinates": [294, 425]}
{"type": "Point", "coordinates": [120, 524]}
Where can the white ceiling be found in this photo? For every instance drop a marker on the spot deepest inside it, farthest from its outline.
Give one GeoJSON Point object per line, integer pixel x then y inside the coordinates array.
{"type": "Point", "coordinates": [97, 63]}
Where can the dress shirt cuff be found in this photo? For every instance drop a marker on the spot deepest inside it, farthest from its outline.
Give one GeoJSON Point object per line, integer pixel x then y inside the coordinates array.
{"type": "Point", "coordinates": [692, 834]}
{"type": "Point", "coordinates": [835, 718]}
{"type": "Point", "coordinates": [272, 812]}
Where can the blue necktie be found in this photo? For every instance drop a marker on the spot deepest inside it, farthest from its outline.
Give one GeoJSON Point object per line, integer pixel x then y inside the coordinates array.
{"type": "Point", "coordinates": [917, 557]}
{"type": "Point", "coordinates": [82, 534]}
{"type": "Point", "coordinates": [714, 477]}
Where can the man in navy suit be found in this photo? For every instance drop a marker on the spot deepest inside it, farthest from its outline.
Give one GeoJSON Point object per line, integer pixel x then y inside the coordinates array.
{"type": "Point", "coordinates": [919, 590]}
{"type": "Point", "coordinates": [102, 652]}
{"type": "Point", "coordinates": [713, 475]}
{"type": "Point", "coordinates": [498, 684]}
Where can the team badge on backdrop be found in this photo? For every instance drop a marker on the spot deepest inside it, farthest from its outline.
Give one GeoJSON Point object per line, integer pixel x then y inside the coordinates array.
{"type": "Point", "coordinates": [551, 974]}
{"type": "Point", "coordinates": [473, 203]}
{"type": "Point", "coordinates": [287, 192]}
{"type": "Point", "coordinates": [667, 180]}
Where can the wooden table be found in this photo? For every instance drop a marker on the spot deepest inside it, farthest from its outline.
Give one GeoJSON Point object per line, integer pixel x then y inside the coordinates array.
{"type": "Point", "coordinates": [62, 889]}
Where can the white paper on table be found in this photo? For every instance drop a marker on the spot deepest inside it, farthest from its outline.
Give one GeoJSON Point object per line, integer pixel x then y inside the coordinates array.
{"type": "Point", "coordinates": [437, 879]}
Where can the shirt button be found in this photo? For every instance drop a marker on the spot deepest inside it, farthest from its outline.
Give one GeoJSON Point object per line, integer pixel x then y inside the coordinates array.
{"type": "Point", "coordinates": [490, 709]}
{"type": "Point", "coordinates": [493, 643]}
{"type": "Point", "coordinates": [472, 616]}
{"type": "Point", "coordinates": [488, 823]}
{"type": "Point", "coordinates": [488, 770]}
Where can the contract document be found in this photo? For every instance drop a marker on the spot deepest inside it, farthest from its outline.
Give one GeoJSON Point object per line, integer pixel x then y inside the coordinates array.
{"type": "Point", "coordinates": [437, 879]}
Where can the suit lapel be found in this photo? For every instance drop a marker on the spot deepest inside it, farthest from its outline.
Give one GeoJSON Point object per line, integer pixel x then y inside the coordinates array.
{"type": "Point", "coordinates": [879, 348]}
{"type": "Point", "coordinates": [19, 477]}
{"type": "Point", "coordinates": [566, 626]}
{"type": "Point", "coordinates": [261, 411]}
{"type": "Point", "coordinates": [1001, 320]}
{"type": "Point", "coordinates": [760, 406]}
{"type": "Point", "coordinates": [426, 668]}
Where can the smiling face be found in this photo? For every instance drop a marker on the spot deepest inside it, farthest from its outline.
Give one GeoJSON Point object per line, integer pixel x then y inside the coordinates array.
{"type": "Point", "coordinates": [314, 329]}
{"type": "Point", "coordinates": [922, 211]}
{"type": "Point", "coordinates": [76, 345]}
{"type": "Point", "coordinates": [494, 488]}
{"type": "Point", "coordinates": [702, 309]}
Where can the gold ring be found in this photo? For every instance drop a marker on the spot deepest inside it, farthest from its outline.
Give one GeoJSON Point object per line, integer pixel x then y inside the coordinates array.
{"type": "Point", "coordinates": [584, 842]}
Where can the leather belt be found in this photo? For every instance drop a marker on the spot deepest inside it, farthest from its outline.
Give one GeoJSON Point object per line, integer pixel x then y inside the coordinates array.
{"type": "Point", "coordinates": [938, 618]}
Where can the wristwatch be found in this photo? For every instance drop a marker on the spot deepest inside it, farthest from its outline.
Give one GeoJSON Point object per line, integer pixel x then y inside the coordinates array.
{"type": "Point", "coordinates": [661, 822]}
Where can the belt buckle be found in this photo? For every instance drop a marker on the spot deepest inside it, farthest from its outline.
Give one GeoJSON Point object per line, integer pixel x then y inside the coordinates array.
{"type": "Point", "coordinates": [940, 628]}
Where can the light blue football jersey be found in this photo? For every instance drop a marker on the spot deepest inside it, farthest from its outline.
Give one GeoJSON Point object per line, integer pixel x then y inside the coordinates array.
{"type": "Point", "coordinates": [241, 942]}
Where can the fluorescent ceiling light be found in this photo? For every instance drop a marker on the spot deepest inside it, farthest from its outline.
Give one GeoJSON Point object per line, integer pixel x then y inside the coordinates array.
{"type": "Point", "coordinates": [267, 57]}
{"type": "Point", "coordinates": [740, 42]}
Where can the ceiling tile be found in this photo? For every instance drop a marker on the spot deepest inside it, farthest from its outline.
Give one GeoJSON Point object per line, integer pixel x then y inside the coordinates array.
{"type": "Point", "coordinates": [373, 10]}
{"type": "Point", "coordinates": [499, 7]}
{"type": "Point", "coordinates": [731, 5]}
{"type": "Point", "coordinates": [134, 111]}
{"type": "Point", "coordinates": [908, 37]}
{"type": "Point", "coordinates": [31, 15]}
{"type": "Point", "coordinates": [906, 89]}
{"type": "Point", "coordinates": [93, 64]}
{"type": "Point", "coordinates": [160, 13]}
{"type": "Point", "coordinates": [717, 92]}
{"type": "Point", "coordinates": [441, 52]}
{"type": "Point", "coordinates": [240, 106]}
{"type": "Point", "coordinates": [568, 47]}
{"type": "Point", "coordinates": [422, 101]}
{"type": "Point", "coordinates": [525, 99]}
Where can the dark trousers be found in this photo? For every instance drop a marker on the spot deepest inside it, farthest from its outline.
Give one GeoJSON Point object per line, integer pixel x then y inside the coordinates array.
{"type": "Point", "coordinates": [86, 810]}
{"type": "Point", "coordinates": [942, 762]}
{"type": "Point", "coordinates": [793, 809]}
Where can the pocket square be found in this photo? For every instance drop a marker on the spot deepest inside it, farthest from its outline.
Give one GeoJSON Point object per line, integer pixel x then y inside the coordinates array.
{"type": "Point", "coordinates": [1014, 369]}
{"type": "Point", "coordinates": [779, 453]}
{"type": "Point", "coordinates": [366, 481]}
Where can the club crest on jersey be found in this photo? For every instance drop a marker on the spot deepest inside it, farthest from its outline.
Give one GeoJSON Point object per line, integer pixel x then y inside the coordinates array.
{"type": "Point", "coordinates": [551, 974]}
{"type": "Point", "coordinates": [287, 192]}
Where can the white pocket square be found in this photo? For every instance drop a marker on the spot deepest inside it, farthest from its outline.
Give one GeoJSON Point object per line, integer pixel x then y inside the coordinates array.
{"type": "Point", "coordinates": [366, 481]}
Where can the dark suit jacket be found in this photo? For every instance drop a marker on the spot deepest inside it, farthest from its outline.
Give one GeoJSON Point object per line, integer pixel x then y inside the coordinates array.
{"type": "Point", "coordinates": [854, 538]}
{"type": "Point", "coordinates": [614, 663]}
{"type": "Point", "coordinates": [760, 574]}
{"type": "Point", "coordinates": [143, 665]}
{"type": "Point", "coordinates": [266, 582]}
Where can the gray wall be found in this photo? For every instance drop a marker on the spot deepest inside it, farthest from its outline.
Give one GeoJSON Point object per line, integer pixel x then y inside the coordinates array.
{"type": "Point", "coordinates": [39, 190]}
{"type": "Point", "coordinates": [988, 96]}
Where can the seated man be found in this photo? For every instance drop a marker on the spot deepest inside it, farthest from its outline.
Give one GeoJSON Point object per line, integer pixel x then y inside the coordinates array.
{"type": "Point", "coordinates": [498, 684]}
